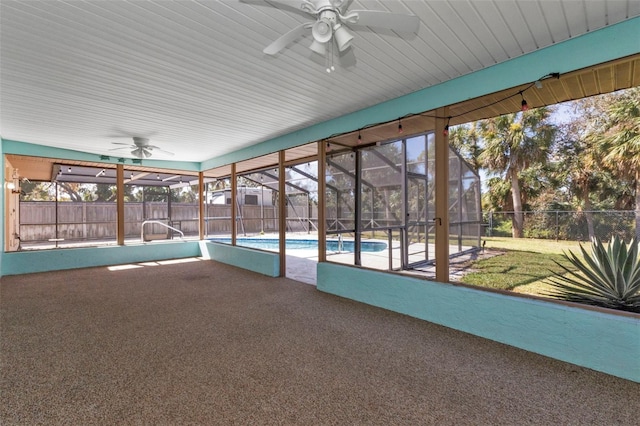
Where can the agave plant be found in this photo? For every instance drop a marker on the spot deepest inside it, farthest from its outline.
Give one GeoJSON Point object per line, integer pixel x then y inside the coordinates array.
{"type": "Point", "coordinates": [607, 277]}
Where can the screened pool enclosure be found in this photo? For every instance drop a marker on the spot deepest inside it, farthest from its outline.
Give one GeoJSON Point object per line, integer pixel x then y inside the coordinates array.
{"type": "Point", "coordinates": [386, 191]}
{"type": "Point", "coordinates": [382, 194]}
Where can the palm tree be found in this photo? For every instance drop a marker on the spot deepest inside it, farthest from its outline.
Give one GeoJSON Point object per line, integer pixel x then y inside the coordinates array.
{"type": "Point", "coordinates": [512, 143]}
{"type": "Point", "coordinates": [619, 141]}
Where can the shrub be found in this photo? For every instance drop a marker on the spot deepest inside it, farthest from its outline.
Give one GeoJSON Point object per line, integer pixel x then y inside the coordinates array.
{"type": "Point", "coordinates": [607, 277]}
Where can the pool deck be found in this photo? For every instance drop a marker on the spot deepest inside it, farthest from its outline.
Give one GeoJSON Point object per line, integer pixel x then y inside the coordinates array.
{"type": "Point", "coordinates": [301, 263]}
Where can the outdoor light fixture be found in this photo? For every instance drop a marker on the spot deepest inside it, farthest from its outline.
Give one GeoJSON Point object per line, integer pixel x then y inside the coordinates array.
{"type": "Point", "coordinates": [524, 104]}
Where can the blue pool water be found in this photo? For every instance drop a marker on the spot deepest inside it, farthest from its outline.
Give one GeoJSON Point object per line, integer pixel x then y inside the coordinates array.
{"type": "Point", "coordinates": [272, 244]}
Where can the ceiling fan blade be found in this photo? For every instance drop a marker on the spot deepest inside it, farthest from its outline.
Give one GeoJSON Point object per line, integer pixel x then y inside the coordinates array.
{"type": "Point", "coordinates": [345, 5]}
{"type": "Point", "coordinates": [379, 19]}
{"type": "Point", "coordinates": [286, 39]}
{"type": "Point", "coordinates": [280, 4]}
{"type": "Point", "coordinates": [158, 149]}
{"type": "Point", "coordinates": [121, 148]}
{"type": "Point", "coordinates": [146, 153]}
{"type": "Point", "coordinates": [121, 143]}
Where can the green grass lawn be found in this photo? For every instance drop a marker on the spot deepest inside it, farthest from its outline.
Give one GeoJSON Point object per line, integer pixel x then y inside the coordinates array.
{"type": "Point", "coordinates": [522, 266]}
{"type": "Point", "coordinates": [532, 245]}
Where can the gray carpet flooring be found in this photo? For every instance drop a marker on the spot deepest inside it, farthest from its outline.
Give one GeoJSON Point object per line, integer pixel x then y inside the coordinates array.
{"type": "Point", "coordinates": [206, 343]}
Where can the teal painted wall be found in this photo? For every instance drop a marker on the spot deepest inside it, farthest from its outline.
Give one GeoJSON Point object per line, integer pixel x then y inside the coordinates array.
{"type": "Point", "coordinates": [2, 206]}
{"type": "Point", "coordinates": [25, 262]}
{"type": "Point", "coordinates": [593, 339]}
{"type": "Point", "coordinates": [262, 262]}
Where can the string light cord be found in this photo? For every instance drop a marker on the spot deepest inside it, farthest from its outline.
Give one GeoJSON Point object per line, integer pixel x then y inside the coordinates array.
{"type": "Point", "coordinates": [520, 92]}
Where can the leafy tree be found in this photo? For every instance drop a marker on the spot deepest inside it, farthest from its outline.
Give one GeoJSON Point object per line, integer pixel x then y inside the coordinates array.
{"type": "Point", "coordinates": [37, 191]}
{"type": "Point", "coordinates": [578, 169]}
{"type": "Point", "coordinates": [74, 191]}
{"type": "Point", "coordinates": [185, 195]}
{"type": "Point", "coordinates": [155, 193]}
{"type": "Point", "coordinates": [465, 139]}
{"type": "Point", "coordinates": [106, 192]}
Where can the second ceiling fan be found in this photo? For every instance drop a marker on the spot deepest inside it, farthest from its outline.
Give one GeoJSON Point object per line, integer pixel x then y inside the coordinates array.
{"type": "Point", "coordinates": [141, 148]}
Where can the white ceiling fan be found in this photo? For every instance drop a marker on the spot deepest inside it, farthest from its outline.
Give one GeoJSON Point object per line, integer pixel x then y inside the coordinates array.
{"type": "Point", "coordinates": [141, 148]}
{"type": "Point", "coordinates": [333, 22]}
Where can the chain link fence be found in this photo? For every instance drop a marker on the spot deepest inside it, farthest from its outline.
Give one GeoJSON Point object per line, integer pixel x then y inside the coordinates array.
{"type": "Point", "coordinates": [565, 225]}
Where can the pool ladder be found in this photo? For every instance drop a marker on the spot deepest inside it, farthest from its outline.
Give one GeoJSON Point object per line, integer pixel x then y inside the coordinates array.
{"type": "Point", "coordinates": [157, 222]}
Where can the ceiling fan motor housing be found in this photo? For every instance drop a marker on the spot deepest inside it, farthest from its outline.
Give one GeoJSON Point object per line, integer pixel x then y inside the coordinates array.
{"type": "Point", "coordinates": [138, 141]}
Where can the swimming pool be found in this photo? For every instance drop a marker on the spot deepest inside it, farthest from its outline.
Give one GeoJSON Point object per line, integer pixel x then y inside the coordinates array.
{"type": "Point", "coordinates": [332, 245]}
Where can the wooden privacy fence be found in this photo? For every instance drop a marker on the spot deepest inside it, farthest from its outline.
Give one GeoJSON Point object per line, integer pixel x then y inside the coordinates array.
{"type": "Point", "coordinates": [47, 220]}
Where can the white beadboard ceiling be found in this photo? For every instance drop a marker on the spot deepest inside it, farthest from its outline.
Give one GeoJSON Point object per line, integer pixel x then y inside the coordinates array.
{"type": "Point", "coordinates": [191, 75]}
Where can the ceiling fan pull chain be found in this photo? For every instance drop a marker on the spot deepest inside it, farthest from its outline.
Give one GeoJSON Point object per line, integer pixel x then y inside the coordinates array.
{"type": "Point", "coordinates": [328, 61]}
{"type": "Point", "coordinates": [332, 56]}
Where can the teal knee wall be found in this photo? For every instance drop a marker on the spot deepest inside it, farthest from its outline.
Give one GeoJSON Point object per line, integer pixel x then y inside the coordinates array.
{"type": "Point", "coordinates": [262, 262]}
{"type": "Point", "coordinates": [26, 262]}
{"type": "Point", "coordinates": [599, 340]}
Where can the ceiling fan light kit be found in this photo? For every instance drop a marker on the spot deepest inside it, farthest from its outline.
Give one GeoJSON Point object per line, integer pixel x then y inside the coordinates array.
{"type": "Point", "coordinates": [331, 24]}
{"type": "Point", "coordinates": [321, 30]}
{"type": "Point", "coordinates": [319, 48]}
{"type": "Point", "coordinates": [343, 37]}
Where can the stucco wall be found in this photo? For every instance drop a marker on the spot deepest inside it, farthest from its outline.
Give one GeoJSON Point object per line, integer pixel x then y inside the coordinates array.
{"type": "Point", "coordinates": [591, 338]}
{"type": "Point", "coordinates": [25, 262]}
{"type": "Point", "coordinates": [263, 262]}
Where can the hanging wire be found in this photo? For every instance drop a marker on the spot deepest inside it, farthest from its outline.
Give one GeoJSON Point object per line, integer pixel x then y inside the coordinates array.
{"type": "Point", "coordinates": [555, 75]}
